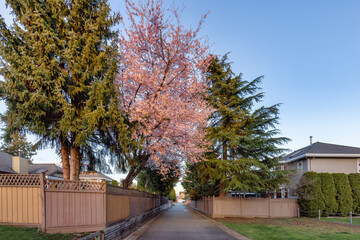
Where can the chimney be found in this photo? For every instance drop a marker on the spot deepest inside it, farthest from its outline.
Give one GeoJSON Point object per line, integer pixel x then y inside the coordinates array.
{"type": "Point", "coordinates": [311, 140]}
{"type": "Point", "coordinates": [20, 165]}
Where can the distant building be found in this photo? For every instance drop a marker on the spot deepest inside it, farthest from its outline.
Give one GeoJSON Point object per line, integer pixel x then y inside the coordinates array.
{"type": "Point", "coordinates": [320, 157]}
{"type": "Point", "coordinates": [94, 176]}
{"type": "Point", "coordinates": [181, 195]}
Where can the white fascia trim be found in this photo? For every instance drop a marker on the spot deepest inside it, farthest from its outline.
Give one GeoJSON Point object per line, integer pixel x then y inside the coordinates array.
{"type": "Point", "coordinates": [333, 155]}
{"type": "Point", "coordinates": [321, 155]}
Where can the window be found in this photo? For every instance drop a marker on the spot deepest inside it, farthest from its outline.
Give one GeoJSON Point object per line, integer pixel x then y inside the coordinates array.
{"type": "Point", "coordinates": [299, 166]}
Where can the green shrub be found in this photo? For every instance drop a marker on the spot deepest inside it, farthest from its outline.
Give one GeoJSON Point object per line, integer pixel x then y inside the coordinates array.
{"type": "Point", "coordinates": [354, 180]}
{"type": "Point", "coordinates": [329, 192]}
{"type": "Point", "coordinates": [114, 182]}
{"type": "Point", "coordinates": [172, 195]}
{"type": "Point", "coordinates": [311, 198]}
{"type": "Point", "coordinates": [343, 193]}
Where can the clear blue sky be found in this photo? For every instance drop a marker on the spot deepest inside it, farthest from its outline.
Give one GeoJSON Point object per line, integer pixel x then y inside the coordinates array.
{"type": "Point", "coordinates": [308, 51]}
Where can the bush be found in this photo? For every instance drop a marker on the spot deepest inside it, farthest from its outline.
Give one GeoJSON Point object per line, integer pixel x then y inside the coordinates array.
{"type": "Point", "coordinates": [354, 180]}
{"type": "Point", "coordinates": [311, 198]}
{"type": "Point", "coordinates": [114, 182]}
{"type": "Point", "coordinates": [343, 193]}
{"type": "Point", "coordinates": [172, 195]}
{"type": "Point", "coordinates": [329, 192]}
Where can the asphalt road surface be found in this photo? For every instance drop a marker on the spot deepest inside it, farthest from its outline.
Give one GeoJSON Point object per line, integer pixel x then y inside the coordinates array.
{"type": "Point", "coordinates": [179, 222]}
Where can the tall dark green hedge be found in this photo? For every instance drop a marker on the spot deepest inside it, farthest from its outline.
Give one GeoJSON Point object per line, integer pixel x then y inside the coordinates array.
{"type": "Point", "coordinates": [311, 198]}
{"type": "Point", "coordinates": [329, 192]}
{"type": "Point", "coordinates": [343, 193]}
{"type": "Point", "coordinates": [354, 180]}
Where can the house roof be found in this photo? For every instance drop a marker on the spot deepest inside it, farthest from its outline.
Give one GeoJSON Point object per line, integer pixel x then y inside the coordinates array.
{"type": "Point", "coordinates": [94, 175]}
{"type": "Point", "coordinates": [320, 149]}
{"type": "Point", "coordinates": [48, 168]}
{"type": "Point", "coordinates": [6, 163]}
{"type": "Point", "coordinates": [34, 168]}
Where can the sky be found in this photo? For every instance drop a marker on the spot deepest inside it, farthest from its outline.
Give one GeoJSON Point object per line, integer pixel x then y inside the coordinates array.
{"type": "Point", "coordinates": [308, 52]}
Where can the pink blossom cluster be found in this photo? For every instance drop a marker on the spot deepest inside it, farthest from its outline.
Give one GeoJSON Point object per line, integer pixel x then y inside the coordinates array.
{"type": "Point", "coordinates": [162, 82]}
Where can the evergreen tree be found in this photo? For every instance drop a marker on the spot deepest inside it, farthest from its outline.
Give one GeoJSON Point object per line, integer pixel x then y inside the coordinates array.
{"type": "Point", "coordinates": [343, 193]}
{"type": "Point", "coordinates": [329, 192]}
{"type": "Point", "coordinates": [172, 195]}
{"type": "Point", "coordinates": [354, 180]}
{"type": "Point", "coordinates": [244, 150]}
{"type": "Point", "coordinates": [18, 145]}
{"type": "Point", "coordinates": [59, 64]}
{"type": "Point", "coordinates": [197, 182]}
{"type": "Point", "coordinates": [152, 181]}
{"type": "Point", "coordinates": [311, 198]}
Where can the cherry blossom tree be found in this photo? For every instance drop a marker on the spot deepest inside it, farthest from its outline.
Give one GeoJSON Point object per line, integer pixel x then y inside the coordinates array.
{"type": "Point", "coordinates": [162, 82]}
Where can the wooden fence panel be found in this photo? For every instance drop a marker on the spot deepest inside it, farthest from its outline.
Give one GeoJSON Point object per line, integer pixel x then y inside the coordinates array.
{"type": "Point", "coordinates": [284, 207]}
{"type": "Point", "coordinates": [118, 208]}
{"type": "Point", "coordinates": [20, 205]}
{"type": "Point", "coordinates": [249, 207]}
{"type": "Point", "coordinates": [74, 211]}
{"type": "Point", "coordinates": [256, 207]}
{"type": "Point", "coordinates": [68, 206]}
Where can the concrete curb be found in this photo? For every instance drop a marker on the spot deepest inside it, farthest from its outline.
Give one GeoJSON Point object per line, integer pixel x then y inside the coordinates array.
{"type": "Point", "coordinates": [135, 235]}
{"type": "Point", "coordinates": [219, 225]}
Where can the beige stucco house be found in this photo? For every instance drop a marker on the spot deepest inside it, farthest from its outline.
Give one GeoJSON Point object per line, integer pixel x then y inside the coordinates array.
{"type": "Point", "coordinates": [320, 157]}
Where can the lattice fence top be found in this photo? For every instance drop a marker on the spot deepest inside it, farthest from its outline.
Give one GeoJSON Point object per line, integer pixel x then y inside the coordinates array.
{"type": "Point", "coordinates": [72, 186]}
{"type": "Point", "coordinates": [19, 180]}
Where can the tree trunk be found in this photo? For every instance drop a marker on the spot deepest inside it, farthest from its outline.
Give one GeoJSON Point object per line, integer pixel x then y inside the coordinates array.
{"type": "Point", "coordinates": [65, 160]}
{"type": "Point", "coordinates": [223, 182]}
{"type": "Point", "coordinates": [135, 171]}
{"type": "Point", "coordinates": [222, 189]}
{"type": "Point", "coordinates": [225, 155]}
{"type": "Point", "coordinates": [74, 163]}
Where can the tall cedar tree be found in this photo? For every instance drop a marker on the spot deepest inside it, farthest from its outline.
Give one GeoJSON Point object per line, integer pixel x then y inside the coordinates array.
{"type": "Point", "coordinates": [152, 181]}
{"type": "Point", "coordinates": [343, 193]}
{"type": "Point", "coordinates": [311, 198]}
{"type": "Point", "coordinates": [19, 146]}
{"type": "Point", "coordinates": [244, 149]}
{"type": "Point", "coordinates": [58, 60]}
{"type": "Point", "coordinates": [354, 180]}
{"type": "Point", "coordinates": [329, 192]}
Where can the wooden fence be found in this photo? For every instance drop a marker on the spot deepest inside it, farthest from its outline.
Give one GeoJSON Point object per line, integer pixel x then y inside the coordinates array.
{"type": "Point", "coordinates": [217, 207]}
{"type": "Point", "coordinates": [69, 206]}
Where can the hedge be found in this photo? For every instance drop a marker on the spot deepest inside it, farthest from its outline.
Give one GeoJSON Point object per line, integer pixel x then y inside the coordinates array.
{"type": "Point", "coordinates": [343, 193]}
{"type": "Point", "coordinates": [311, 198]}
{"type": "Point", "coordinates": [354, 180]}
{"type": "Point", "coordinates": [329, 192]}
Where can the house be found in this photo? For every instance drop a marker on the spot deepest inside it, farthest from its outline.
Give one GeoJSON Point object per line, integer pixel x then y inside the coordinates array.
{"type": "Point", "coordinates": [320, 157]}
{"type": "Point", "coordinates": [17, 165]}
{"type": "Point", "coordinates": [323, 157]}
{"type": "Point", "coordinates": [94, 176]}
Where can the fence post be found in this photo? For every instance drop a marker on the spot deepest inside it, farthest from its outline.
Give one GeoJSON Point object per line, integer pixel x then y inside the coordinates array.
{"type": "Point", "coordinates": [214, 209]}
{"type": "Point", "coordinates": [298, 212]}
{"type": "Point", "coordinates": [319, 214]}
{"type": "Point", "coordinates": [43, 202]}
{"type": "Point", "coordinates": [269, 205]}
{"type": "Point", "coordinates": [351, 218]}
